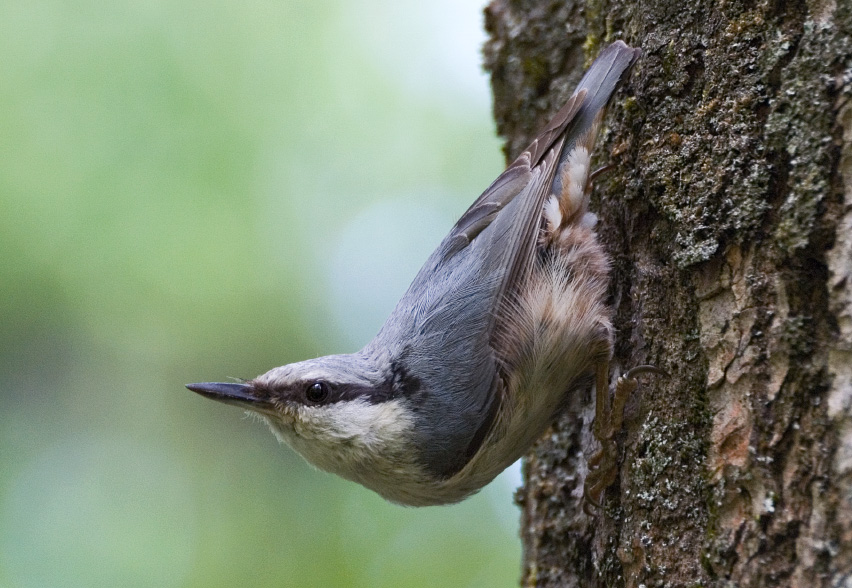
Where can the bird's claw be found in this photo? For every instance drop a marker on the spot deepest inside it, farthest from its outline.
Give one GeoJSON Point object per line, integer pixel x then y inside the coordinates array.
{"type": "Point", "coordinates": [603, 465]}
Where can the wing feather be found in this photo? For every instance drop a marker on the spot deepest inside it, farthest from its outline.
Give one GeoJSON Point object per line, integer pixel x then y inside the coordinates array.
{"type": "Point", "coordinates": [512, 181]}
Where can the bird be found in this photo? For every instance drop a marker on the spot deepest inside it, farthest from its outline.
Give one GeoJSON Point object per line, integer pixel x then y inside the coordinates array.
{"type": "Point", "coordinates": [506, 319]}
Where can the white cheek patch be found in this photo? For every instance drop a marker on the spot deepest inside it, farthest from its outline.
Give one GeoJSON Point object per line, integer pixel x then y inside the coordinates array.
{"type": "Point", "coordinates": [348, 438]}
{"type": "Point", "coordinates": [358, 420]}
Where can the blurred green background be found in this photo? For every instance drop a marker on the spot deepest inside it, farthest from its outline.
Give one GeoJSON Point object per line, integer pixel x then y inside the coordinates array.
{"type": "Point", "coordinates": [196, 190]}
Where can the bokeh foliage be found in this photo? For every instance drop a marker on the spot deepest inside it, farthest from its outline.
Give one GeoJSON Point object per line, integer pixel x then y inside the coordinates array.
{"type": "Point", "coordinates": [196, 190]}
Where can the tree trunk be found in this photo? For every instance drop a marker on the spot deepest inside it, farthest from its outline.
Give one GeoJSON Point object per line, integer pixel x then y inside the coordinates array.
{"type": "Point", "coordinates": [729, 222]}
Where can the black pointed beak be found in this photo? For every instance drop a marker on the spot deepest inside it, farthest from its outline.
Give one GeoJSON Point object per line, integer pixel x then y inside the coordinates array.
{"type": "Point", "coordinates": [230, 393]}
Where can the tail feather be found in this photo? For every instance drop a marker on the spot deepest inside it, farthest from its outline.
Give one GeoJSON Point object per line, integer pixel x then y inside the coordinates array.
{"type": "Point", "coordinates": [599, 85]}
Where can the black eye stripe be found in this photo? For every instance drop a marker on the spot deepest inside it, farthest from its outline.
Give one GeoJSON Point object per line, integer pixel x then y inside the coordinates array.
{"type": "Point", "coordinates": [322, 392]}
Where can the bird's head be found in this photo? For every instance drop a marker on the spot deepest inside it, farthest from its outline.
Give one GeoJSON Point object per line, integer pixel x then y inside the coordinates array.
{"type": "Point", "coordinates": [340, 412]}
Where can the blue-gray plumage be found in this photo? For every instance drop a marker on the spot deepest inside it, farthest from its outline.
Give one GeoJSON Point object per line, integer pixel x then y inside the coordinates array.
{"type": "Point", "coordinates": [505, 319]}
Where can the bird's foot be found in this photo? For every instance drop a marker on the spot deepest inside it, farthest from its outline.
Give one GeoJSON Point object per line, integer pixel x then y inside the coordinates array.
{"type": "Point", "coordinates": [603, 465]}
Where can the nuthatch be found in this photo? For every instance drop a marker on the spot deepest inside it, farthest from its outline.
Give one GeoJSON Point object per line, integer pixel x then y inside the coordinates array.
{"type": "Point", "coordinates": [506, 318]}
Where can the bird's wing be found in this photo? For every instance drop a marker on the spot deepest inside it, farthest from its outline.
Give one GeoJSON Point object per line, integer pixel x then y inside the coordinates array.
{"type": "Point", "coordinates": [512, 182]}
{"type": "Point", "coordinates": [515, 200]}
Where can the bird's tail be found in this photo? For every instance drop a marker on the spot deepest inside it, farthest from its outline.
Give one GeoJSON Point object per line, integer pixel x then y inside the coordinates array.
{"type": "Point", "coordinates": [568, 204]}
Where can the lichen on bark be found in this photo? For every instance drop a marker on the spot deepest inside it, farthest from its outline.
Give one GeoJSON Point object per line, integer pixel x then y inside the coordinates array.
{"type": "Point", "coordinates": [728, 219]}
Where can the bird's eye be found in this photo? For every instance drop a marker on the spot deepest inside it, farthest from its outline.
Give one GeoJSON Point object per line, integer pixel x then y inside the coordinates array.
{"type": "Point", "coordinates": [318, 392]}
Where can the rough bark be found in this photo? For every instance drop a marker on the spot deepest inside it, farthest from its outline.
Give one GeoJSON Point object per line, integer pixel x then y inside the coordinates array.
{"type": "Point", "coordinates": [729, 220]}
